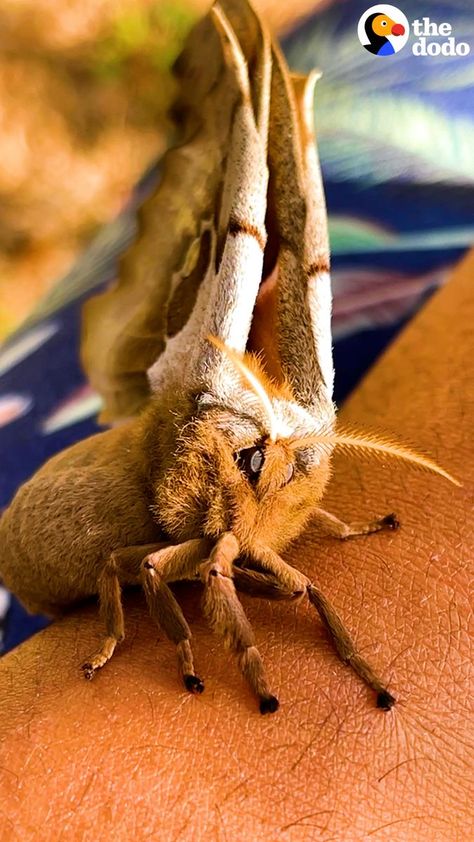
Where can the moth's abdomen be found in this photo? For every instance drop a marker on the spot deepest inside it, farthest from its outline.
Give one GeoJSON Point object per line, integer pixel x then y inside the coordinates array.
{"type": "Point", "coordinates": [60, 529]}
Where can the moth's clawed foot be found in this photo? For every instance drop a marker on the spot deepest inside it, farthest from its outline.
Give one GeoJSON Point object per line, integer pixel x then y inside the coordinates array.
{"type": "Point", "coordinates": [90, 667]}
{"type": "Point", "coordinates": [88, 670]}
{"type": "Point", "coordinates": [193, 684]}
{"type": "Point", "coordinates": [269, 704]}
{"type": "Point", "coordinates": [389, 522]}
{"type": "Point", "coordinates": [385, 700]}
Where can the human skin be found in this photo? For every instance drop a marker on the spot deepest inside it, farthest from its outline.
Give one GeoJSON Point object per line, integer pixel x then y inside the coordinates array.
{"type": "Point", "coordinates": [131, 755]}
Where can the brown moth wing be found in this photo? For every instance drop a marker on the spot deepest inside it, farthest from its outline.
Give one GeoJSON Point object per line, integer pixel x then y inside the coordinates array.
{"type": "Point", "coordinates": [303, 292]}
{"type": "Point", "coordinates": [124, 328]}
{"type": "Point", "coordinates": [224, 303]}
{"type": "Point", "coordinates": [225, 307]}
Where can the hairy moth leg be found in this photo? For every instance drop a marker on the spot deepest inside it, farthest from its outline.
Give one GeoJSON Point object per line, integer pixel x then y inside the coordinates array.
{"type": "Point", "coordinates": [289, 578]}
{"type": "Point", "coordinates": [345, 647]}
{"type": "Point", "coordinates": [122, 566]}
{"type": "Point", "coordinates": [338, 529]}
{"type": "Point", "coordinates": [262, 585]}
{"type": "Point", "coordinates": [170, 565]}
{"type": "Point", "coordinates": [227, 618]}
{"type": "Point", "coordinates": [290, 582]}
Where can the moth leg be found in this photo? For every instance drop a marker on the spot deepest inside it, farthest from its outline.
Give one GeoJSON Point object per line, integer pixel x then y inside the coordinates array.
{"type": "Point", "coordinates": [122, 566]}
{"type": "Point", "coordinates": [345, 647]}
{"type": "Point", "coordinates": [227, 618]}
{"type": "Point", "coordinates": [169, 565]}
{"type": "Point", "coordinates": [338, 529]}
{"type": "Point", "coordinates": [288, 577]}
{"type": "Point", "coordinates": [268, 586]}
{"type": "Point", "coordinates": [263, 585]}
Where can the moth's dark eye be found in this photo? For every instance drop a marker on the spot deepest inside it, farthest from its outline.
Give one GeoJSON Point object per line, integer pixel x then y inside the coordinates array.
{"type": "Point", "coordinates": [250, 462]}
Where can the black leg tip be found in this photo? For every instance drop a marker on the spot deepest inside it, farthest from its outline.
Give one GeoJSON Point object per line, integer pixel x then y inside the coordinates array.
{"type": "Point", "coordinates": [385, 700]}
{"type": "Point", "coordinates": [193, 683]}
{"type": "Point", "coordinates": [88, 671]}
{"type": "Point", "coordinates": [269, 704]}
{"type": "Point", "coordinates": [390, 521]}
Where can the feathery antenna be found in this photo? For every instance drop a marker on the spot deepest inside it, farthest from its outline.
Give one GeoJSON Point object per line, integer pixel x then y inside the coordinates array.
{"type": "Point", "coordinates": [376, 444]}
{"type": "Point", "coordinates": [256, 386]}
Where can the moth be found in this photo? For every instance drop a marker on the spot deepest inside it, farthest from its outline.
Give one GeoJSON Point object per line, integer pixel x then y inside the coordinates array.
{"type": "Point", "coordinates": [213, 350]}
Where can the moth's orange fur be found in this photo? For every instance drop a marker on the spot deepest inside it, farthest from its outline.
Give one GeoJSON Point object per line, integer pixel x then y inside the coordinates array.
{"type": "Point", "coordinates": [204, 493]}
{"type": "Point", "coordinates": [274, 388]}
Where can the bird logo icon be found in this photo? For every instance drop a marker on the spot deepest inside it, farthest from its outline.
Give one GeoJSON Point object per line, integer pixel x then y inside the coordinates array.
{"type": "Point", "coordinates": [383, 30]}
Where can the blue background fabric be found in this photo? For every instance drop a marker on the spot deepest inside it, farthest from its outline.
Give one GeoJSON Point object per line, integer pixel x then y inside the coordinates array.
{"type": "Point", "coordinates": [396, 141]}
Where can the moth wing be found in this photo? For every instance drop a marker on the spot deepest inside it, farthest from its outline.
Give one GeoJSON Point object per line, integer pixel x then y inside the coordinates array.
{"type": "Point", "coordinates": [303, 289]}
{"type": "Point", "coordinates": [226, 297]}
{"type": "Point", "coordinates": [125, 328]}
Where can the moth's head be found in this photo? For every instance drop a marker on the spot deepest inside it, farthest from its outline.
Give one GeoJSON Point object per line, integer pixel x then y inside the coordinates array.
{"type": "Point", "coordinates": [243, 463]}
{"type": "Point", "coordinates": [251, 460]}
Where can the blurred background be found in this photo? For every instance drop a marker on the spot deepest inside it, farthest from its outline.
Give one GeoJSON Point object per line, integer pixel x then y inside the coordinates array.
{"type": "Point", "coordinates": [84, 89]}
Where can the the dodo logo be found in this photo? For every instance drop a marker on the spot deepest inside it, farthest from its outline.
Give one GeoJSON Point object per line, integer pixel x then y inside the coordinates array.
{"type": "Point", "coordinates": [383, 30]}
